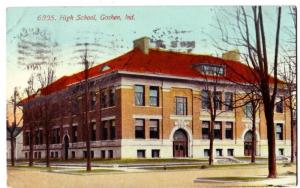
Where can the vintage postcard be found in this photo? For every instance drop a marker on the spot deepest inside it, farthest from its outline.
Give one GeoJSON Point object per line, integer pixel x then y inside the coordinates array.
{"type": "Point", "coordinates": [151, 96]}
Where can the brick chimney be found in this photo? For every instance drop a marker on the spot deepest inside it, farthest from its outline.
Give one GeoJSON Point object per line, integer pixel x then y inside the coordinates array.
{"type": "Point", "coordinates": [232, 55]}
{"type": "Point", "coordinates": [142, 44]}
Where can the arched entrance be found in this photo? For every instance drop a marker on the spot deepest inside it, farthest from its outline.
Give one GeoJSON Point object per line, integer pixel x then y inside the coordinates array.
{"type": "Point", "coordinates": [66, 146]}
{"type": "Point", "coordinates": [248, 143]}
{"type": "Point", "coordinates": [180, 144]}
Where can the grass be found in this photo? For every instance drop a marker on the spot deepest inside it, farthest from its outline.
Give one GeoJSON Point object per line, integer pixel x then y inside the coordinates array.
{"type": "Point", "coordinates": [201, 166]}
{"type": "Point", "coordinates": [235, 178]}
{"type": "Point", "coordinates": [33, 167]}
{"type": "Point", "coordinates": [128, 161]}
{"type": "Point", "coordinates": [93, 171]}
{"type": "Point", "coordinates": [97, 171]}
{"type": "Point", "coordinates": [249, 158]}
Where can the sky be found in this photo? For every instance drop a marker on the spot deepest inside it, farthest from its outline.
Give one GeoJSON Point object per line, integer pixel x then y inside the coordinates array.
{"type": "Point", "coordinates": [188, 23]}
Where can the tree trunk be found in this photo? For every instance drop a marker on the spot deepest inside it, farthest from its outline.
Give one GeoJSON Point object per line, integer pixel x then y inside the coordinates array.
{"type": "Point", "coordinates": [31, 148]}
{"type": "Point", "coordinates": [12, 149]}
{"type": "Point", "coordinates": [271, 144]}
{"type": "Point", "coordinates": [47, 149]}
{"type": "Point", "coordinates": [292, 133]}
{"type": "Point", "coordinates": [253, 134]}
{"type": "Point", "coordinates": [88, 146]}
{"type": "Point", "coordinates": [211, 143]}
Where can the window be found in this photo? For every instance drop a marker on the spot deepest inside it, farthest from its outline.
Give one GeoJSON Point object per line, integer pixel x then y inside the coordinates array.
{"type": "Point", "coordinates": [104, 68]}
{"type": "Point", "coordinates": [75, 105]}
{"type": "Point", "coordinates": [206, 152]}
{"type": "Point", "coordinates": [103, 99]}
{"type": "Point", "coordinates": [103, 154]}
{"type": "Point", "coordinates": [74, 134]}
{"type": "Point", "coordinates": [154, 129]}
{"type": "Point", "coordinates": [217, 70]}
{"type": "Point", "coordinates": [218, 100]}
{"type": "Point", "coordinates": [84, 154]}
{"type": "Point", "coordinates": [281, 151]}
{"type": "Point", "coordinates": [139, 95]}
{"type": "Point", "coordinates": [56, 154]}
{"type": "Point", "coordinates": [112, 130]}
{"type": "Point", "coordinates": [139, 128]}
{"type": "Point", "coordinates": [219, 152]}
{"type": "Point", "coordinates": [229, 152]}
{"type": "Point", "coordinates": [56, 136]}
{"type": "Point", "coordinates": [248, 110]}
{"type": "Point", "coordinates": [27, 138]}
{"type": "Point", "coordinates": [92, 154]}
{"type": "Point", "coordinates": [154, 96]}
{"type": "Point", "coordinates": [205, 129]}
{"type": "Point", "coordinates": [229, 130]}
{"type": "Point", "coordinates": [218, 130]}
{"type": "Point", "coordinates": [181, 105]}
{"type": "Point", "coordinates": [93, 131]}
{"type": "Point", "coordinates": [141, 153]}
{"type": "Point", "coordinates": [26, 155]}
{"type": "Point", "coordinates": [155, 153]}
{"type": "Point", "coordinates": [39, 155]}
{"type": "Point", "coordinates": [35, 155]}
{"type": "Point", "coordinates": [205, 99]}
{"type": "Point", "coordinates": [279, 104]}
{"type": "Point", "coordinates": [52, 154]}
{"type": "Point", "coordinates": [228, 101]}
{"type": "Point", "coordinates": [279, 131]}
{"type": "Point", "coordinates": [112, 100]}
{"type": "Point", "coordinates": [73, 155]}
{"type": "Point", "coordinates": [93, 100]}
{"type": "Point", "coordinates": [110, 154]}
{"type": "Point", "coordinates": [36, 137]}
{"type": "Point", "coordinates": [105, 125]}
{"type": "Point", "coordinates": [41, 136]}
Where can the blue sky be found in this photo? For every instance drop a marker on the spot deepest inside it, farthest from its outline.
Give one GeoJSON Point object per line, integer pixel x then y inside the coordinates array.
{"type": "Point", "coordinates": [197, 22]}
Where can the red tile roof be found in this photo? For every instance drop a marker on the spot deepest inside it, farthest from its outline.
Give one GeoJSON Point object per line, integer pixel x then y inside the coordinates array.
{"type": "Point", "coordinates": [158, 62]}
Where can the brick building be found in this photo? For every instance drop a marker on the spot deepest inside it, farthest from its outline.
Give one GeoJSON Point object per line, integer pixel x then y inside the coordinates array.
{"type": "Point", "coordinates": [149, 103]}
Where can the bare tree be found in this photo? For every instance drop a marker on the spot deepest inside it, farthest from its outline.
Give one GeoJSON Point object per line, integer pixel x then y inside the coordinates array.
{"type": "Point", "coordinates": [88, 53]}
{"type": "Point", "coordinates": [252, 106]}
{"type": "Point", "coordinates": [38, 53]}
{"type": "Point", "coordinates": [288, 75]}
{"type": "Point", "coordinates": [46, 106]}
{"type": "Point", "coordinates": [248, 32]}
{"type": "Point", "coordinates": [29, 115]}
{"type": "Point", "coordinates": [13, 126]}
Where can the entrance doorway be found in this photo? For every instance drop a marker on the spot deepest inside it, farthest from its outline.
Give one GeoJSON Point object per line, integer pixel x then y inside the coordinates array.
{"type": "Point", "coordinates": [248, 144]}
{"type": "Point", "coordinates": [66, 146]}
{"type": "Point", "coordinates": [180, 144]}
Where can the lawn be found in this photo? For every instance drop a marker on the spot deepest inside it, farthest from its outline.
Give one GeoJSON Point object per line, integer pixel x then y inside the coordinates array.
{"type": "Point", "coordinates": [128, 161]}
{"type": "Point", "coordinates": [228, 178]}
{"type": "Point", "coordinates": [93, 171]}
{"type": "Point", "coordinates": [34, 167]}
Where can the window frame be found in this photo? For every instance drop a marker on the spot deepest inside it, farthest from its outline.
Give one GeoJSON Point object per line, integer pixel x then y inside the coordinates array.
{"type": "Point", "coordinates": [156, 135]}
{"type": "Point", "coordinates": [139, 134]}
{"type": "Point", "coordinates": [205, 136]}
{"type": "Point", "coordinates": [138, 94]}
{"type": "Point", "coordinates": [279, 104]}
{"type": "Point", "coordinates": [231, 130]}
{"type": "Point", "coordinates": [228, 101]}
{"type": "Point", "coordinates": [156, 89]}
{"type": "Point", "coordinates": [279, 135]}
{"type": "Point", "coordinates": [219, 130]}
{"type": "Point", "coordinates": [184, 105]}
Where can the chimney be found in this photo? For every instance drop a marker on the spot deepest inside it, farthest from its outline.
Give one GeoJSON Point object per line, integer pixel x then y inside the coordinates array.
{"type": "Point", "coordinates": [142, 44]}
{"type": "Point", "coordinates": [233, 55]}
